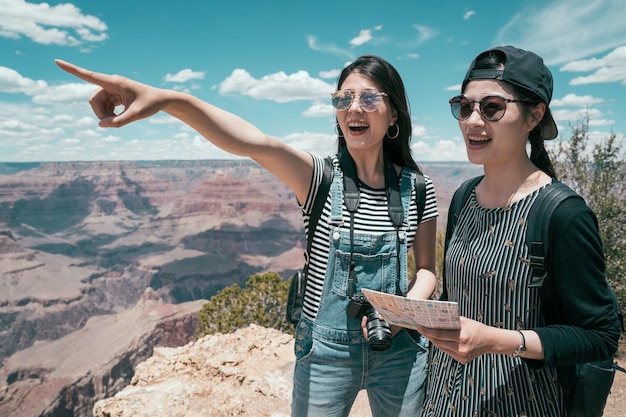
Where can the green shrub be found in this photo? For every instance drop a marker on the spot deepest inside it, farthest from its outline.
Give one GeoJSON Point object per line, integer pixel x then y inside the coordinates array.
{"type": "Point", "coordinates": [262, 301]}
{"type": "Point", "coordinates": [595, 168]}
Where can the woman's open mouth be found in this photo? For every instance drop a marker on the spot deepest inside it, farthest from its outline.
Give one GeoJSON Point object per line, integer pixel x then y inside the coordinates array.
{"type": "Point", "coordinates": [358, 127]}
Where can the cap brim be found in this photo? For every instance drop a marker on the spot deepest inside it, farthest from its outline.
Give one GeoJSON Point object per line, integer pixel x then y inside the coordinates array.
{"type": "Point", "coordinates": [548, 126]}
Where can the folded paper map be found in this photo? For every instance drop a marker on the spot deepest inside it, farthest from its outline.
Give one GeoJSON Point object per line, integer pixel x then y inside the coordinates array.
{"type": "Point", "coordinates": [409, 312]}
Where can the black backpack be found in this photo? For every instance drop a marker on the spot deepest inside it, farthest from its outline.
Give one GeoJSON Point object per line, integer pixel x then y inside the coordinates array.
{"type": "Point", "coordinates": [295, 299]}
{"type": "Point", "coordinates": [585, 386]}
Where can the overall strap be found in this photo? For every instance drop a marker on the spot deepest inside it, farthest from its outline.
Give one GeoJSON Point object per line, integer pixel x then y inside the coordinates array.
{"type": "Point", "coordinates": [351, 195]}
{"type": "Point", "coordinates": [351, 198]}
{"type": "Point", "coordinates": [336, 193]}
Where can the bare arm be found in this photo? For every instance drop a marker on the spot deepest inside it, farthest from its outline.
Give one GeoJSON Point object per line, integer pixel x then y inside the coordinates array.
{"type": "Point", "coordinates": [474, 339]}
{"type": "Point", "coordinates": [424, 253]}
{"type": "Point", "coordinates": [225, 130]}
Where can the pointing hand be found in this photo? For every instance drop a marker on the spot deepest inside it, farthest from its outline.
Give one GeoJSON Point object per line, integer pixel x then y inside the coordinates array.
{"type": "Point", "coordinates": [139, 100]}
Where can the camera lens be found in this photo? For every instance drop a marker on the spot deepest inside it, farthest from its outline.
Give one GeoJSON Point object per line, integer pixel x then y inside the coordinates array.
{"type": "Point", "coordinates": [378, 331]}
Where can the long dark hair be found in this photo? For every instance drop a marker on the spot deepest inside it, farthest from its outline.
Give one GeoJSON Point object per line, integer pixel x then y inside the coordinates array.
{"type": "Point", "coordinates": [385, 75]}
{"type": "Point", "coordinates": [538, 154]}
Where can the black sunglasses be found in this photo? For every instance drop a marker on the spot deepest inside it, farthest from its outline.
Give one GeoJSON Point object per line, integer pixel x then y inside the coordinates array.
{"type": "Point", "coordinates": [492, 108]}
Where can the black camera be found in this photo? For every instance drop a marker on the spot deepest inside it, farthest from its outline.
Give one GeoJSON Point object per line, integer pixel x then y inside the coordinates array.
{"type": "Point", "coordinates": [378, 330]}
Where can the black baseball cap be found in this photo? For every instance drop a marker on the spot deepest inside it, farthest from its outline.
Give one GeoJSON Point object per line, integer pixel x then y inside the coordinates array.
{"type": "Point", "coordinates": [524, 69]}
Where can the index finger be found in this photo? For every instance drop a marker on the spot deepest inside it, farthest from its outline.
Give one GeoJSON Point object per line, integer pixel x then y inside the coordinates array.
{"type": "Point", "coordinates": [84, 74]}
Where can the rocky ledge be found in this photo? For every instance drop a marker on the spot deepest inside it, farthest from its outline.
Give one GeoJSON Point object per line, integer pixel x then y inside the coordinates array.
{"type": "Point", "coordinates": [246, 373]}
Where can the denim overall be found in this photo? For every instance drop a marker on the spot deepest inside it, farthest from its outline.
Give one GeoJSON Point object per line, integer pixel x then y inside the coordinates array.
{"type": "Point", "coordinates": [333, 359]}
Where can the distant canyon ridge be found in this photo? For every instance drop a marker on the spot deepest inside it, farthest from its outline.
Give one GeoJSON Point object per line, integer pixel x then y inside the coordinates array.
{"type": "Point", "coordinates": [102, 261]}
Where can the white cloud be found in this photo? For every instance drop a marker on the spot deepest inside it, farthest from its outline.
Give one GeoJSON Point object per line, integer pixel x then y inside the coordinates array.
{"type": "Point", "coordinates": [65, 93]}
{"type": "Point", "coordinates": [565, 30]}
{"type": "Point", "coordinates": [16, 125]}
{"type": "Point", "coordinates": [91, 134]}
{"type": "Point", "coordinates": [418, 131]}
{"type": "Point", "coordinates": [610, 68]}
{"type": "Point", "coordinates": [184, 76]}
{"type": "Point", "coordinates": [424, 33]}
{"type": "Point", "coordinates": [575, 100]}
{"type": "Point", "coordinates": [317, 143]}
{"type": "Point", "coordinates": [601, 122]}
{"type": "Point", "coordinates": [13, 82]}
{"type": "Point", "coordinates": [603, 75]}
{"type": "Point", "coordinates": [319, 109]}
{"type": "Point", "coordinates": [468, 14]}
{"type": "Point", "coordinates": [334, 74]}
{"type": "Point", "coordinates": [70, 141]}
{"type": "Point", "coordinates": [443, 150]}
{"type": "Point", "coordinates": [572, 117]}
{"type": "Point", "coordinates": [279, 87]}
{"type": "Point", "coordinates": [111, 139]}
{"type": "Point", "coordinates": [64, 120]}
{"type": "Point", "coordinates": [364, 36]}
{"type": "Point", "coordinates": [63, 24]}
{"type": "Point", "coordinates": [332, 49]}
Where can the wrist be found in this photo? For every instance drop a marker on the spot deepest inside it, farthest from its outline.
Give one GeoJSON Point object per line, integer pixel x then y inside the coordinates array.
{"type": "Point", "coordinates": [521, 349]}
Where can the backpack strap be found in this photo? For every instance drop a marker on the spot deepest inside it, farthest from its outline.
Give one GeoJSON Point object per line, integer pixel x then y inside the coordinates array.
{"type": "Point", "coordinates": [460, 197]}
{"type": "Point", "coordinates": [538, 230]}
{"type": "Point", "coordinates": [318, 204]}
{"type": "Point", "coordinates": [538, 241]}
{"type": "Point", "coordinates": [420, 195]}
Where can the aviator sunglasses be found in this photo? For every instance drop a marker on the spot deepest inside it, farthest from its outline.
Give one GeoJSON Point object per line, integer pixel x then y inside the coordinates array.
{"type": "Point", "coordinates": [369, 100]}
{"type": "Point", "coordinates": [492, 108]}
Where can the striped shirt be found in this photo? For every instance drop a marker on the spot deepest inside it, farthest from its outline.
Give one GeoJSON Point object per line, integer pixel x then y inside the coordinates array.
{"type": "Point", "coordinates": [372, 217]}
{"type": "Point", "coordinates": [487, 274]}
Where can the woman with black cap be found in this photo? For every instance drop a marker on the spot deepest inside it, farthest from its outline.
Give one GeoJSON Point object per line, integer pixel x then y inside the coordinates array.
{"type": "Point", "coordinates": [503, 360]}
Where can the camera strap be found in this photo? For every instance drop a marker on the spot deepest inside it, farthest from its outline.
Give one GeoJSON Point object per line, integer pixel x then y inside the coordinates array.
{"type": "Point", "coordinates": [351, 197]}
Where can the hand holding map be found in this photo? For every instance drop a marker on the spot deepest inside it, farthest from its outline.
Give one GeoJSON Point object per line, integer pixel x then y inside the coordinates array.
{"type": "Point", "coordinates": [410, 313]}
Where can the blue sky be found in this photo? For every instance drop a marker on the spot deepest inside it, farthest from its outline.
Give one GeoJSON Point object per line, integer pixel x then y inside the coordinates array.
{"type": "Point", "coordinates": [275, 63]}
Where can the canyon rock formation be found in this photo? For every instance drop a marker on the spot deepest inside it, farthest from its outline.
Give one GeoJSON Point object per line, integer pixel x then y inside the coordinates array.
{"type": "Point", "coordinates": [88, 246]}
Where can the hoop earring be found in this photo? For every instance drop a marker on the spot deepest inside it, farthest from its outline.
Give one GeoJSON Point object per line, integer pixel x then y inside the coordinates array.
{"type": "Point", "coordinates": [397, 131]}
{"type": "Point", "coordinates": [338, 131]}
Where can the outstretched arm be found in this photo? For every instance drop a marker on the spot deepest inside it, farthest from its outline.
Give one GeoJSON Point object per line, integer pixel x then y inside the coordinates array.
{"type": "Point", "coordinates": [225, 130]}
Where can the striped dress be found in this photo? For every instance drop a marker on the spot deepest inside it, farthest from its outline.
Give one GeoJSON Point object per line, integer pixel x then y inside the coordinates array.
{"type": "Point", "coordinates": [372, 217]}
{"type": "Point", "coordinates": [487, 273]}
